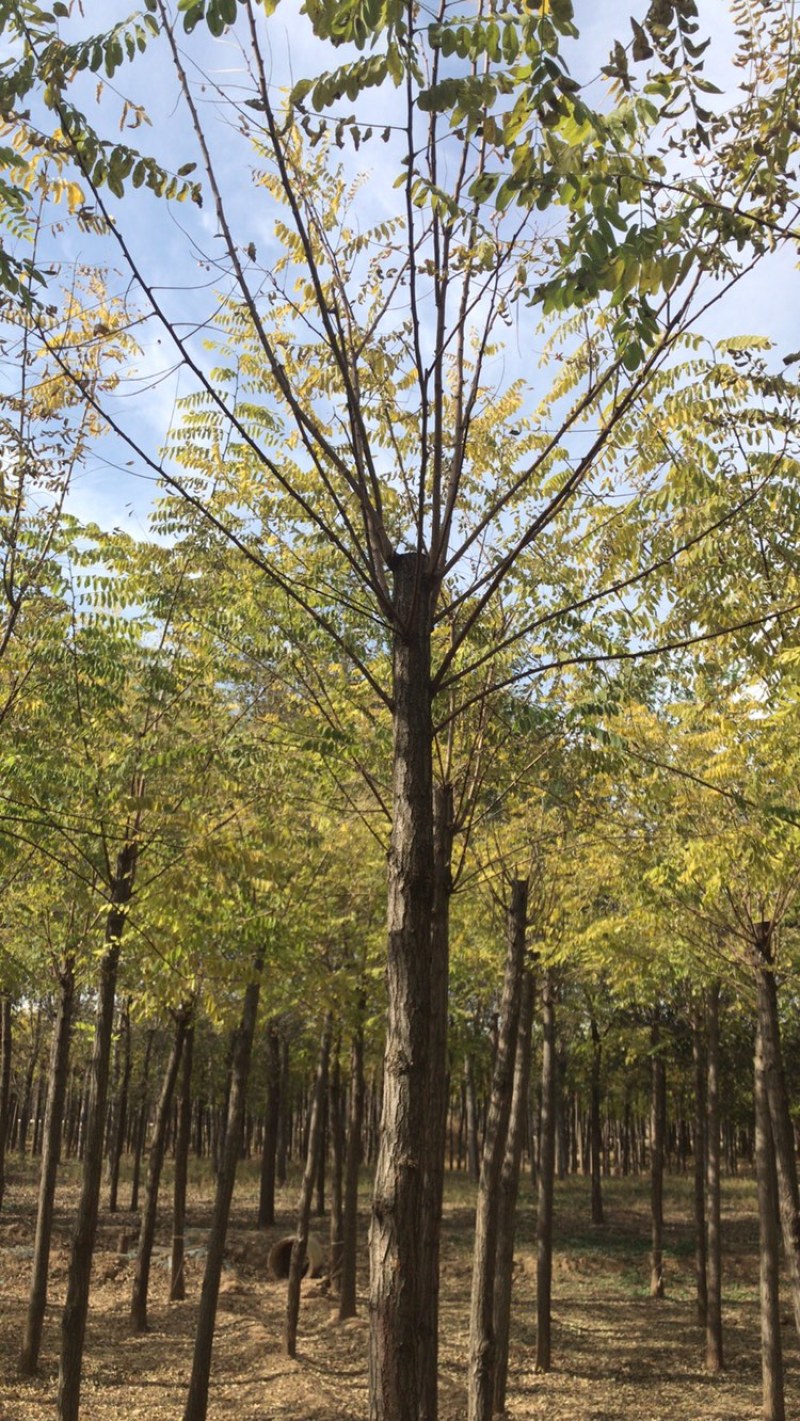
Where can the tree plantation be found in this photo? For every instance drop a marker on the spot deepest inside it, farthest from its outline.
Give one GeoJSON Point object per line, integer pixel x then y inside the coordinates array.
{"type": "Point", "coordinates": [399, 644]}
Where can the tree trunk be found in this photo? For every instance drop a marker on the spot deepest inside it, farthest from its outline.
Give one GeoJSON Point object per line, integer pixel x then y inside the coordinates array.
{"type": "Point", "coordinates": [562, 1116]}
{"type": "Point", "coordinates": [657, 1121]}
{"type": "Point", "coordinates": [5, 1083]}
{"type": "Point", "coordinates": [297, 1263]}
{"type": "Point", "coordinates": [322, 1148]}
{"type": "Point", "coordinates": [482, 1352]}
{"type": "Point", "coordinates": [26, 1098]}
{"type": "Point", "coordinates": [471, 1112]}
{"type": "Point", "coordinates": [509, 1188]}
{"type": "Point", "coordinates": [73, 1321]}
{"type": "Point", "coordinates": [120, 1111]}
{"type": "Point", "coordinates": [714, 1260]}
{"type": "Point", "coordinates": [38, 1113]}
{"type": "Point", "coordinates": [59, 1073]}
{"type": "Point", "coordinates": [282, 1146]}
{"type": "Point", "coordinates": [699, 1153]}
{"type": "Point", "coordinates": [396, 1236]}
{"type": "Point", "coordinates": [266, 1194]}
{"type": "Point", "coordinates": [73, 1115]}
{"type": "Point", "coordinates": [780, 1120]}
{"type": "Point", "coordinates": [336, 1130]}
{"type": "Point", "coordinates": [147, 1232]}
{"type": "Point", "coordinates": [197, 1398]}
{"type": "Point", "coordinates": [547, 1148]}
{"type": "Point", "coordinates": [771, 1355]}
{"type": "Point", "coordinates": [141, 1122]}
{"type": "Point", "coordinates": [437, 1101]}
{"type": "Point", "coordinates": [595, 1127]}
{"type": "Point", "coordinates": [177, 1286]}
{"type": "Point", "coordinates": [347, 1296]}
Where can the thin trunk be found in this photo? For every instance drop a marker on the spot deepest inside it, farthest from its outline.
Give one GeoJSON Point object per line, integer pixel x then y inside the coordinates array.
{"type": "Point", "coordinates": [141, 1122]}
{"type": "Point", "coordinates": [5, 1083]}
{"type": "Point", "coordinates": [595, 1126]}
{"type": "Point", "coordinates": [297, 1264]}
{"type": "Point", "coordinates": [347, 1296]}
{"type": "Point", "coordinates": [38, 1113]}
{"type": "Point", "coordinates": [780, 1119]}
{"type": "Point", "coordinates": [482, 1352]}
{"type": "Point", "coordinates": [24, 1107]}
{"type": "Point", "coordinates": [562, 1152]}
{"type": "Point", "coordinates": [470, 1108]}
{"type": "Point", "coordinates": [396, 1237]}
{"type": "Point", "coordinates": [86, 1095]}
{"type": "Point", "coordinates": [336, 1131]}
{"type": "Point", "coordinates": [438, 1093]}
{"type": "Point", "coordinates": [773, 1408]}
{"type": "Point", "coordinates": [177, 1287]}
{"type": "Point", "coordinates": [266, 1194]}
{"type": "Point", "coordinates": [121, 1111]}
{"type": "Point", "coordinates": [73, 1115]}
{"type": "Point", "coordinates": [56, 1096]}
{"type": "Point", "coordinates": [714, 1261]}
{"type": "Point", "coordinates": [147, 1232]}
{"type": "Point", "coordinates": [322, 1148]}
{"type": "Point", "coordinates": [197, 1399]}
{"type": "Point", "coordinates": [282, 1147]}
{"type": "Point", "coordinates": [657, 1112]}
{"type": "Point", "coordinates": [699, 1152]}
{"type": "Point", "coordinates": [73, 1322]}
{"type": "Point", "coordinates": [509, 1188]}
{"type": "Point", "coordinates": [547, 1149]}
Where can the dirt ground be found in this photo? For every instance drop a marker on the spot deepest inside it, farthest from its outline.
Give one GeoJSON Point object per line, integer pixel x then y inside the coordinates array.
{"type": "Point", "coordinates": [618, 1355]}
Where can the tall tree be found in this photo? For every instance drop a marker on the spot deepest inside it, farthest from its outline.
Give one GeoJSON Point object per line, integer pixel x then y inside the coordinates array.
{"type": "Point", "coordinates": [328, 354]}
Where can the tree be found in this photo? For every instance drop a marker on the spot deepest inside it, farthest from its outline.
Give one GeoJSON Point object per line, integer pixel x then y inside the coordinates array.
{"type": "Point", "coordinates": [482, 1350]}
{"type": "Point", "coordinates": [326, 347]}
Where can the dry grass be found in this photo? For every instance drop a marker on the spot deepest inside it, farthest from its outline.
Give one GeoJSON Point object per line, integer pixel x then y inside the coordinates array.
{"type": "Point", "coordinates": [618, 1356]}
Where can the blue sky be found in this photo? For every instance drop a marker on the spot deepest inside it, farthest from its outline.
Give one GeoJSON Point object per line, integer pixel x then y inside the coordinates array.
{"type": "Point", "coordinates": [176, 245]}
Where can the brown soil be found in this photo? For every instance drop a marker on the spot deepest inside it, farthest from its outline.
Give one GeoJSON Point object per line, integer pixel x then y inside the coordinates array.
{"type": "Point", "coordinates": [618, 1355]}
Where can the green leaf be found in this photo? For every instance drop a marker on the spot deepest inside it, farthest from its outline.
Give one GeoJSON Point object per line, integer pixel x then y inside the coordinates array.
{"type": "Point", "coordinates": [632, 355]}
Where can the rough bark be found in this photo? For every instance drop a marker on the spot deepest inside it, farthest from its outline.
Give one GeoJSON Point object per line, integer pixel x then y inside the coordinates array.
{"type": "Point", "coordinates": [509, 1189]}
{"type": "Point", "coordinates": [266, 1193]}
{"type": "Point", "coordinates": [780, 1120]}
{"type": "Point", "coordinates": [547, 1149]}
{"type": "Point", "coordinates": [355, 1116]}
{"type": "Point", "coordinates": [147, 1232]}
{"type": "Point", "coordinates": [51, 1150]}
{"type": "Point", "coordinates": [437, 1101]}
{"type": "Point", "coordinates": [699, 1153]}
{"type": "Point", "coordinates": [297, 1263]}
{"type": "Point", "coordinates": [396, 1236]}
{"type": "Point", "coordinates": [177, 1285]}
{"type": "Point", "coordinates": [73, 1321]}
{"type": "Point", "coordinates": [657, 1121]}
{"type": "Point", "coordinates": [482, 1352]}
{"type": "Point", "coordinates": [714, 1360]}
{"type": "Point", "coordinates": [773, 1408]}
{"type": "Point", "coordinates": [197, 1398]}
